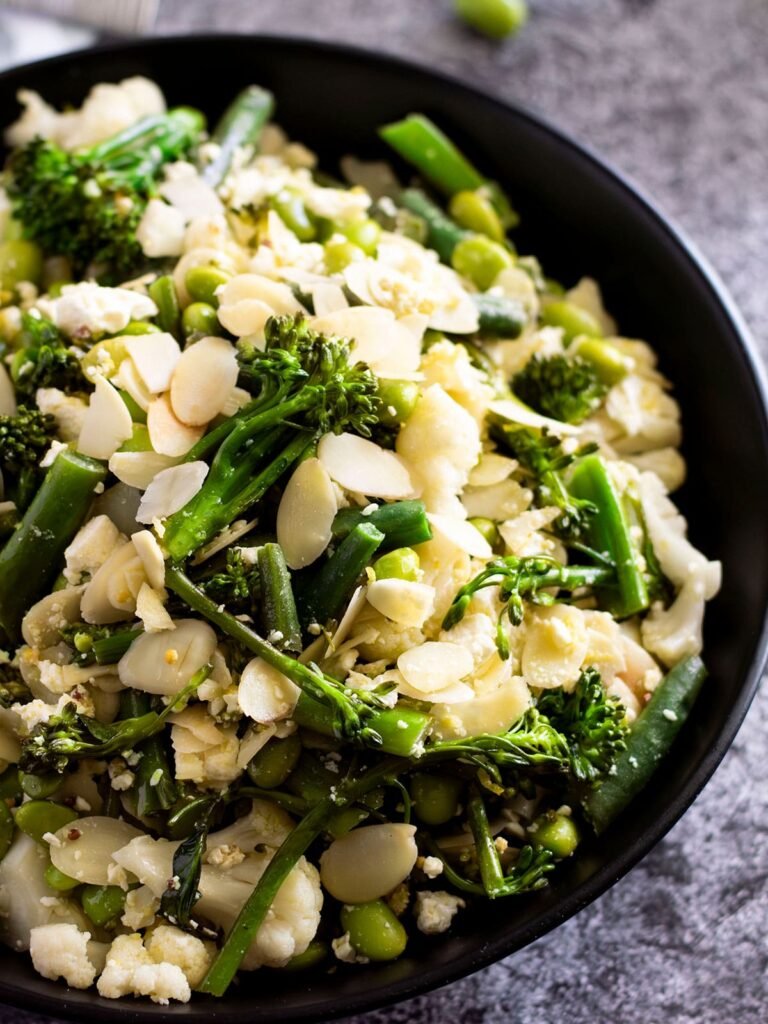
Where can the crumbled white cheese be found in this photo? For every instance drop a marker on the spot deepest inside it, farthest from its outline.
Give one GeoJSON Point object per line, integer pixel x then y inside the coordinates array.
{"type": "Point", "coordinates": [436, 910]}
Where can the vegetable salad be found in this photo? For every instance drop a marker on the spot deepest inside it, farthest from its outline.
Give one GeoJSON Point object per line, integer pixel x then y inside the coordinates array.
{"type": "Point", "coordinates": [340, 584]}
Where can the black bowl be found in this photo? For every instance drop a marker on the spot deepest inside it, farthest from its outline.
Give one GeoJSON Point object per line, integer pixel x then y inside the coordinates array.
{"type": "Point", "coordinates": [579, 217]}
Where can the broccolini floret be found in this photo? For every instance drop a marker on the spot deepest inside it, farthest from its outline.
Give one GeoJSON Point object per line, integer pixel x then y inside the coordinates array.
{"type": "Point", "coordinates": [44, 360]}
{"type": "Point", "coordinates": [24, 440]}
{"type": "Point", "coordinates": [235, 585]}
{"type": "Point", "coordinates": [86, 205]}
{"type": "Point", "coordinates": [566, 389]}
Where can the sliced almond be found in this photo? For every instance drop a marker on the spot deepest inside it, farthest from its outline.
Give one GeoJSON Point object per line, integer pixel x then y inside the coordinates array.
{"type": "Point", "coordinates": [491, 469]}
{"type": "Point", "coordinates": [97, 605]}
{"type": "Point", "coordinates": [361, 466]}
{"type": "Point", "coordinates": [170, 490]}
{"type": "Point", "coordinates": [390, 348]}
{"type": "Point", "coordinates": [107, 422]}
{"type": "Point", "coordinates": [403, 601]}
{"type": "Point", "coordinates": [155, 357]}
{"type": "Point", "coordinates": [151, 556]}
{"type": "Point", "coordinates": [556, 643]}
{"type": "Point", "coordinates": [163, 663]}
{"type": "Point", "coordinates": [139, 469]}
{"type": "Point", "coordinates": [248, 300]}
{"type": "Point", "coordinates": [434, 665]}
{"type": "Point", "coordinates": [462, 534]}
{"type": "Point", "coordinates": [328, 297]}
{"type": "Point", "coordinates": [167, 434]}
{"type": "Point", "coordinates": [264, 694]}
{"type": "Point", "coordinates": [127, 379]}
{"type": "Point", "coordinates": [151, 611]}
{"type": "Point", "coordinates": [203, 380]}
{"type": "Point", "coordinates": [305, 515]}
{"type": "Point", "coordinates": [515, 411]}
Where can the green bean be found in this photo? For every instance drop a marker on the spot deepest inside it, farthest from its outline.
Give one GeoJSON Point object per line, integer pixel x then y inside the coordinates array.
{"type": "Point", "coordinates": [443, 234]}
{"type": "Point", "coordinates": [499, 316]}
{"type": "Point", "coordinates": [494, 18]}
{"type": "Point", "coordinates": [480, 259]}
{"type": "Point", "coordinates": [110, 649]}
{"type": "Point", "coordinates": [36, 817]}
{"type": "Point", "coordinates": [397, 400]}
{"type": "Point", "coordinates": [374, 930]}
{"type": "Point", "coordinates": [403, 523]}
{"type": "Point", "coordinates": [278, 606]}
{"type": "Point", "coordinates": [40, 787]}
{"type": "Point", "coordinates": [424, 145]}
{"type": "Point", "coordinates": [555, 832]}
{"type": "Point", "coordinates": [202, 283]}
{"type": "Point", "coordinates": [58, 881]}
{"type": "Point", "coordinates": [315, 954]}
{"type": "Point", "coordinates": [401, 564]}
{"type": "Point", "coordinates": [6, 828]}
{"type": "Point", "coordinates": [272, 765]}
{"type": "Point", "coordinates": [475, 212]}
{"type": "Point", "coordinates": [163, 294]}
{"type": "Point", "coordinates": [573, 320]}
{"type": "Point", "coordinates": [240, 125]}
{"type": "Point", "coordinates": [30, 561]}
{"type": "Point", "coordinates": [435, 797]}
{"type": "Point", "coordinates": [324, 595]}
{"type": "Point", "coordinates": [199, 318]}
{"type": "Point", "coordinates": [102, 904]}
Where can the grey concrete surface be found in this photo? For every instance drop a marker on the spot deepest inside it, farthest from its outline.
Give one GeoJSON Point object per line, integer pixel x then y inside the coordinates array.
{"type": "Point", "coordinates": [674, 92]}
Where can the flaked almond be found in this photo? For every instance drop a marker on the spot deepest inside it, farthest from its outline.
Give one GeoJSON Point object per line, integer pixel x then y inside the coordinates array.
{"type": "Point", "coordinates": [328, 297]}
{"type": "Point", "coordinates": [305, 515]}
{"type": "Point", "coordinates": [361, 466]}
{"type": "Point", "coordinates": [389, 347]}
{"type": "Point", "coordinates": [203, 380]}
{"type": "Point", "coordinates": [248, 300]}
{"type": "Point", "coordinates": [97, 605]}
{"type": "Point", "coordinates": [163, 663]}
{"type": "Point", "coordinates": [170, 490]}
{"type": "Point", "coordinates": [139, 469]}
{"type": "Point", "coordinates": [151, 611]}
{"type": "Point", "coordinates": [462, 534]}
{"type": "Point", "coordinates": [107, 422]}
{"type": "Point", "coordinates": [403, 601]}
{"type": "Point", "coordinates": [127, 379]}
{"type": "Point", "coordinates": [154, 357]}
{"type": "Point", "coordinates": [491, 469]}
{"type": "Point", "coordinates": [515, 411]}
{"type": "Point", "coordinates": [167, 434]}
{"type": "Point", "coordinates": [151, 556]}
{"type": "Point", "coordinates": [264, 694]}
{"type": "Point", "coordinates": [556, 643]}
{"type": "Point", "coordinates": [434, 665]}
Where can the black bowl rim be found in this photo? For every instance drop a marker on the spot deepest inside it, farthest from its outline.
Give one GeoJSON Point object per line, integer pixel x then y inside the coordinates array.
{"type": "Point", "coordinates": [598, 883]}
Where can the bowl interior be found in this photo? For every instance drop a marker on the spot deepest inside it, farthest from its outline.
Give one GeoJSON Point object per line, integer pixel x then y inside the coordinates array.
{"type": "Point", "coordinates": [579, 218]}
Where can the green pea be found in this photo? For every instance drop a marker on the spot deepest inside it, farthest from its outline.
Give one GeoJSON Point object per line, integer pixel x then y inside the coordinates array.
{"type": "Point", "coordinates": [293, 213]}
{"type": "Point", "coordinates": [494, 18]}
{"type": "Point", "coordinates": [555, 832]}
{"type": "Point", "coordinates": [480, 259]}
{"type": "Point", "coordinates": [572, 318]}
{"type": "Point", "coordinates": [138, 415]}
{"type": "Point", "coordinates": [488, 529]}
{"type": "Point", "coordinates": [10, 785]}
{"type": "Point", "coordinates": [20, 260]}
{"type": "Point", "coordinates": [397, 400]}
{"type": "Point", "coordinates": [435, 797]}
{"type": "Point", "coordinates": [199, 318]}
{"type": "Point", "coordinates": [608, 362]}
{"type": "Point", "coordinates": [272, 765]}
{"type": "Point", "coordinates": [6, 829]}
{"type": "Point", "coordinates": [315, 953]}
{"type": "Point", "coordinates": [374, 931]}
{"type": "Point", "coordinates": [36, 817]}
{"type": "Point", "coordinates": [339, 253]}
{"type": "Point", "coordinates": [58, 881]}
{"type": "Point", "coordinates": [474, 210]}
{"type": "Point", "coordinates": [40, 787]}
{"type": "Point", "coordinates": [400, 564]}
{"type": "Point", "coordinates": [364, 233]}
{"type": "Point", "coordinates": [103, 904]}
{"type": "Point", "coordinates": [202, 283]}
{"type": "Point", "coordinates": [138, 441]}
{"type": "Point", "coordinates": [140, 327]}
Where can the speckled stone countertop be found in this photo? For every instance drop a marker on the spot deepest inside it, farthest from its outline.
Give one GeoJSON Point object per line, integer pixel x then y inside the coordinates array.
{"type": "Point", "coordinates": [675, 93]}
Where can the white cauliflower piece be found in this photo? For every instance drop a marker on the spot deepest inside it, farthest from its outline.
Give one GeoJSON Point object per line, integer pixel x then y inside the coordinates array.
{"type": "Point", "coordinates": [173, 946]}
{"type": "Point", "coordinates": [667, 463]}
{"type": "Point", "coordinates": [160, 232]}
{"type": "Point", "coordinates": [512, 356]}
{"type": "Point", "coordinates": [61, 951]}
{"type": "Point", "coordinates": [91, 547]}
{"type": "Point", "coordinates": [675, 632]}
{"type": "Point", "coordinates": [449, 366]}
{"type": "Point", "coordinates": [522, 535]}
{"type": "Point", "coordinates": [87, 309]}
{"type": "Point", "coordinates": [441, 442]}
{"type": "Point", "coordinates": [446, 568]}
{"type": "Point", "coordinates": [436, 910]}
{"type": "Point", "coordinates": [131, 971]}
{"type": "Point", "coordinates": [67, 410]}
{"type": "Point", "coordinates": [141, 906]}
{"type": "Point", "coordinates": [205, 752]}
{"type": "Point", "coordinates": [647, 416]}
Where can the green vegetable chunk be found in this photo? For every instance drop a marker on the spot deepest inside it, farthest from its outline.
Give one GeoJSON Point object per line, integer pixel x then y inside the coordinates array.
{"type": "Point", "coordinates": [6, 829]}
{"type": "Point", "coordinates": [374, 930]}
{"type": "Point", "coordinates": [400, 564]}
{"type": "Point", "coordinates": [403, 523]}
{"type": "Point", "coordinates": [480, 259]}
{"type": "Point", "coordinates": [574, 320]}
{"type": "Point", "coordinates": [496, 19]}
{"type": "Point", "coordinates": [36, 817]}
{"type": "Point", "coordinates": [561, 387]}
{"type": "Point", "coordinates": [557, 833]}
{"type": "Point", "coordinates": [103, 904]}
{"type": "Point", "coordinates": [272, 765]}
{"type": "Point", "coordinates": [240, 125]}
{"type": "Point", "coordinates": [435, 797]}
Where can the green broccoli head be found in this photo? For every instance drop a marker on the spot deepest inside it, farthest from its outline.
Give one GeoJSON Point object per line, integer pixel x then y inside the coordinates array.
{"type": "Point", "coordinates": [45, 360]}
{"type": "Point", "coordinates": [566, 389]}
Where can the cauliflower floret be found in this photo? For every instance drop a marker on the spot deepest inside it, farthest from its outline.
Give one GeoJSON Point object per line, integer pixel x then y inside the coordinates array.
{"type": "Point", "coordinates": [675, 632]}
{"type": "Point", "coordinates": [67, 410]}
{"type": "Point", "coordinates": [131, 970]}
{"type": "Point", "coordinates": [61, 951]}
{"type": "Point", "coordinates": [512, 356]}
{"type": "Point", "coordinates": [436, 910]}
{"type": "Point", "coordinates": [36, 711]}
{"type": "Point", "coordinates": [205, 752]}
{"type": "Point", "coordinates": [522, 535]}
{"type": "Point", "coordinates": [141, 906]}
{"type": "Point", "coordinates": [449, 366]}
{"type": "Point", "coordinates": [506, 499]}
{"type": "Point", "coordinates": [446, 567]}
{"type": "Point", "coordinates": [667, 463]}
{"type": "Point", "coordinates": [173, 946]}
{"type": "Point", "coordinates": [91, 547]}
{"type": "Point", "coordinates": [344, 950]}
{"type": "Point", "coordinates": [376, 637]}
{"type": "Point", "coordinates": [87, 309]}
{"type": "Point", "coordinates": [647, 416]}
{"type": "Point", "coordinates": [160, 232]}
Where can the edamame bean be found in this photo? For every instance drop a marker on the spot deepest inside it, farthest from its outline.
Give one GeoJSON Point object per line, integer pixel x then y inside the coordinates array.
{"type": "Point", "coordinates": [202, 282]}
{"type": "Point", "coordinates": [105, 356]}
{"type": "Point", "coordinates": [488, 529]}
{"type": "Point", "coordinates": [102, 903]}
{"type": "Point", "coordinates": [36, 817]}
{"type": "Point", "coordinates": [6, 829]}
{"type": "Point", "coordinates": [58, 881]}
{"type": "Point", "coordinates": [20, 260]}
{"type": "Point", "coordinates": [272, 765]}
{"type": "Point", "coordinates": [494, 18]}
{"type": "Point", "coordinates": [480, 259]}
{"type": "Point", "coordinates": [397, 399]}
{"type": "Point", "coordinates": [54, 289]}
{"type": "Point", "coordinates": [400, 564]}
{"type": "Point", "coordinates": [572, 318]}
{"type": "Point", "coordinates": [555, 832]}
{"type": "Point", "coordinates": [39, 787]}
{"type": "Point", "coordinates": [345, 821]}
{"type": "Point", "coordinates": [364, 233]}
{"type": "Point", "coordinates": [139, 440]}
{"type": "Point", "coordinates": [10, 785]}
{"type": "Point", "coordinates": [606, 360]}
{"type": "Point", "coordinates": [140, 327]}
{"type": "Point", "coordinates": [435, 797]}
{"type": "Point", "coordinates": [339, 253]}
{"type": "Point", "coordinates": [374, 931]}
{"type": "Point", "coordinates": [315, 953]}
{"type": "Point", "coordinates": [199, 318]}
{"type": "Point", "coordinates": [474, 211]}
{"type": "Point", "coordinates": [290, 207]}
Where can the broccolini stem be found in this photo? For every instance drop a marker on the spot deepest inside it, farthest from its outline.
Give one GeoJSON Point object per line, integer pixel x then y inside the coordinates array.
{"type": "Point", "coordinates": [155, 789]}
{"type": "Point", "coordinates": [31, 559]}
{"type": "Point", "coordinates": [443, 234]}
{"type": "Point", "coordinates": [608, 532]}
{"type": "Point", "coordinates": [278, 607]}
{"type": "Point", "coordinates": [240, 125]}
{"type": "Point", "coordinates": [488, 860]}
{"type": "Point", "coordinates": [157, 137]}
{"type": "Point", "coordinates": [110, 649]}
{"type": "Point", "coordinates": [403, 523]}
{"type": "Point", "coordinates": [324, 596]}
{"type": "Point", "coordinates": [402, 729]}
